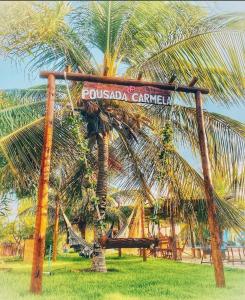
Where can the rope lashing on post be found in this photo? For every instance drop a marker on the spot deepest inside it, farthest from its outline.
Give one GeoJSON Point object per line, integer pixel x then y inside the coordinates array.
{"type": "Point", "coordinates": [68, 92]}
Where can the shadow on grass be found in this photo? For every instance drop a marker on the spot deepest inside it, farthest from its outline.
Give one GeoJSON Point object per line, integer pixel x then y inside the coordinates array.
{"type": "Point", "coordinates": [117, 257]}
{"type": "Point", "coordinates": [73, 258]}
{"type": "Point", "coordinates": [5, 269]}
{"type": "Point", "coordinates": [88, 270]}
{"type": "Point", "coordinates": [12, 259]}
{"type": "Point", "coordinates": [113, 270]}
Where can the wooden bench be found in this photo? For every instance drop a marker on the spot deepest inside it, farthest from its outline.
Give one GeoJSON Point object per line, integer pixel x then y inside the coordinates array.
{"type": "Point", "coordinates": [165, 249]}
{"type": "Point", "coordinates": [236, 254]}
{"type": "Point", "coordinates": [206, 251]}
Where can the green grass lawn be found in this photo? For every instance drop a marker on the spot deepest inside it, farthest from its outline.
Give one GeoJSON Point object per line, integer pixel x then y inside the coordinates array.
{"type": "Point", "coordinates": [128, 278]}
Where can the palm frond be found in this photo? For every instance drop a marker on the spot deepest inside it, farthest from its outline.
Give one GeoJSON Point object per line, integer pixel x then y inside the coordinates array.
{"type": "Point", "coordinates": [138, 179]}
{"type": "Point", "coordinates": [186, 183]}
{"type": "Point", "coordinates": [15, 117]}
{"type": "Point", "coordinates": [207, 49]}
{"type": "Point", "coordinates": [22, 149]}
{"type": "Point", "coordinates": [225, 135]}
{"type": "Point", "coordinates": [34, 93]}
{"type": "Point", "coordinates": [41, 30]}
{"type": "Point", "coordinates": [4, 204]}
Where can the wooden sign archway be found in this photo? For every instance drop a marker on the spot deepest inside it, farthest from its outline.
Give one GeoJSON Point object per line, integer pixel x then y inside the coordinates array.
{"type": "Point", "coordinates": [160, 89]}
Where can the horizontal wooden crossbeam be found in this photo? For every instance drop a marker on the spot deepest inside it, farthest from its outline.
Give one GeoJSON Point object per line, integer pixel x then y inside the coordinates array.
{"type": "Point", "coordinates": [123, 81]}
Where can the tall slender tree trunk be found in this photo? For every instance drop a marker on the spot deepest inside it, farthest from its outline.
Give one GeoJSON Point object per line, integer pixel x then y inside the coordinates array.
{"type": "Point", "coordinates": [159, 229]}
{"type": "Point", "coordinates": [143, 228]}
{"type": "Point", "coordinates": [209, 191]}
{"type": "Point", "coordinates": [192, 240]}
{"type": "Point", "coordinates": [98, 262]}
{"type": "Point", "coordinates": [172, 224]}
{"type": "Point", "coordinates": [42, 203]}
{"type": "Point", "coordinates": [119, 227]}
{"type": "Point", "coordinates": [83, 230]}
{"type": "Point", "coordinates": [56, 228]}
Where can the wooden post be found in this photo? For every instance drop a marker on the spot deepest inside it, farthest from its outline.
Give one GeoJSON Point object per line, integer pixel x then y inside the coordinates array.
{"type": "Point", "coordinates": [192, 239]}
{"type": "Point", "coordinates": [212, 217]}
{"type": "Point", "coordinates": [42, 205]}
{"type": "Point", "coordinates": [172, 224]}
{"type": "Point", "coordinates": [143, 229]}
{"type": "Point", "coordinates": [119, 252]}
{"type": "Point", "coordinates": [105, 72]}
{"type": "Point", "coordinates": [140, 75]}
{"type": "Point", "coordinates": [56, 228]}
{"type": "Point", "coordinates": [172, 78]}
{"type": "Point", "coordinates": [119, 227]}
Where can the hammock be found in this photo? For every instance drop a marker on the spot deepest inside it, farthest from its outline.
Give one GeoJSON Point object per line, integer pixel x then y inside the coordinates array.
{"type": "Point", "coordinates": [124, 231]}
{"type": "Point", "coordinates": [124, 238]}
{"type": "Point", "coordinates": [76, 242]}
{"type": "Point", "coordinates": [120, 241]}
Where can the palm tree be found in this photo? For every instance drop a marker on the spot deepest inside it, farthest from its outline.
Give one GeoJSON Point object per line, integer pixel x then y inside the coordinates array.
{"type": "Point", "coordinates": [158, 39]}
{"type": "Point", "coordinates": [3, 205]}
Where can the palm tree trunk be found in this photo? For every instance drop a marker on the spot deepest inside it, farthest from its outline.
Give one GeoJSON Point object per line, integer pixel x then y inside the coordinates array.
{"type": "Point", "coordinates": [42, 205]}
{"type": "Point", "coordinates": [83, 230]}
{"type": "Point", "coordinates": [56, 229]}
{"type": "Point", "coordinates": [98, 262]}
{"type": "Point", "coordinates": [192, 240]}
{"type": "Point", "coordinates": [143, 229]}
{"type": "Point", "coordinates": [119, 227]}
{"type": "Point", "coordinates": [172, 224]}
{"type": "Point", "coordinates": [158, 229]}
